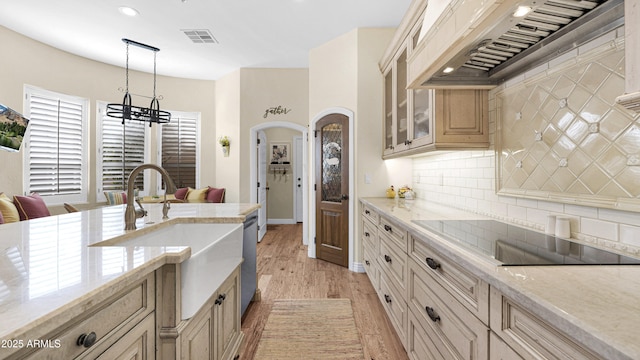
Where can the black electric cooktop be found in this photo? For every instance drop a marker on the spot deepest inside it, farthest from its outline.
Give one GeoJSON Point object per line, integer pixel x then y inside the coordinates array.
{"type": "Point", "coordinates": [513, 245]}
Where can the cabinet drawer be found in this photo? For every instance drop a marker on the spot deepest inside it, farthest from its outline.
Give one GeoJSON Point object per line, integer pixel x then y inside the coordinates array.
{"type": "Point", "coordinates": [395, 307]}
{"type": "Point", "coordinates": [529, 335]}
{"type": "Point", "coordinates": [468, 289]}
{"type": "Point", "coordinates": [371, 267]}
{"type": "Point", "coordinates": [139, 343]}
{"type": "Point", "coordinates": [369, 236]}
{"type": "Point", "coordinates": [393, 232]}
{"type": "Point", "coordinates": [114, 315]}
{"type": "Point", "coordinates": [420, 346]}
{"type": "Point", "coordinates": [369, 214]}
{"type": "Point", "coordinates": [452, 328]}
{"type": "Point", "coordinates": [393, 261]}
{"type": "Point", "coordinates": [499, 350]}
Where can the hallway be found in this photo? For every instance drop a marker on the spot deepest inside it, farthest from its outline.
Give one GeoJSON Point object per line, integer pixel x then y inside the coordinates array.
{"type": "Point", "coordinates": [285, 272]}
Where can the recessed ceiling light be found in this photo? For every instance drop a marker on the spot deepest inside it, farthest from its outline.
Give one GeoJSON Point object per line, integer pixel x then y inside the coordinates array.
{"type": "Point", "coordinates": [448, 70]}
{"type": "Point", "coordinates": [129, 11]}
{"type": "Point", "coordinates": [522, 11]}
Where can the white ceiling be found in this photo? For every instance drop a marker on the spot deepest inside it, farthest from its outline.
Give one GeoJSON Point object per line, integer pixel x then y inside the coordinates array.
{"type": "Point", "coordinates": [251, 33]}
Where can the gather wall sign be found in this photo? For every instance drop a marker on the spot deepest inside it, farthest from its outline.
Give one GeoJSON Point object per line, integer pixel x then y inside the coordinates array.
{"type": "Point", "coordinates": [276, 110]}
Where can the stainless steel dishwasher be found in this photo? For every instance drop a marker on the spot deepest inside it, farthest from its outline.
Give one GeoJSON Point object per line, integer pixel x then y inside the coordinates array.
{"type": "Point", "coordinates": [248, 268]}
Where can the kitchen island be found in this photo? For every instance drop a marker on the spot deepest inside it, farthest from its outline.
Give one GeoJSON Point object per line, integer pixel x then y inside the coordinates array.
{"type": "Point", "coordinates": [51, 273]}
{"type": "Point", "coordinates": [477, 308]}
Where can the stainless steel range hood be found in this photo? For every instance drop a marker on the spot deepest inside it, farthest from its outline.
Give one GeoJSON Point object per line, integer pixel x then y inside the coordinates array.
{"type": "Point", "coordinates": [502, 46]}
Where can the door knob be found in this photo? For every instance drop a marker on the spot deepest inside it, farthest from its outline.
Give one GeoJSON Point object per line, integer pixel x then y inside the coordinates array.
{"type": "Point", "coordinates": [344, 197]}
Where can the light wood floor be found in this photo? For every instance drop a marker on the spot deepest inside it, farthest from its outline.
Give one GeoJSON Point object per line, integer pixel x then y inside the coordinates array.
{"type": "Point", "coordinates": [285, 272]}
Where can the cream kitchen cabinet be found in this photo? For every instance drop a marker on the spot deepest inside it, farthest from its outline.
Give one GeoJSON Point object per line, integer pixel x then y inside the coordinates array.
{"type": "Point", "coordinates": [212, 333]}
{"type": "Point", "coordinates": [107, 323]}
{"type": "Point", "coordinates": [530, 336]}
{"type": "Point", "coordinates": [441, 119]}
{"type": "Point", "coordinates": [438, 314]}
{"type": "Point", "coordinates": [421, 120]}
{"type": "Point", "coordinates": [138, 343]}
{"type": "Point", "coordinates": [370, 245]}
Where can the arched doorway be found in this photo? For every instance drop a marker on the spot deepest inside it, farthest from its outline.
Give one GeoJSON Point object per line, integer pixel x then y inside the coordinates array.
{"type": "Point", "coordinates": [254, 174]}
{"type": "Point", "coordinates": [350, 201]}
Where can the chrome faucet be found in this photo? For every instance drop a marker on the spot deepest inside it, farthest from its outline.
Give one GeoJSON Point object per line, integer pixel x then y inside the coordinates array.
{"type": "Point", "coordinates": [131, 214]}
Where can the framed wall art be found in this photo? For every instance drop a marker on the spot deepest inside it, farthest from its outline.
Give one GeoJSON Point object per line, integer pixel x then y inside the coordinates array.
{"type": "Point", "coordinates": [280, 152]}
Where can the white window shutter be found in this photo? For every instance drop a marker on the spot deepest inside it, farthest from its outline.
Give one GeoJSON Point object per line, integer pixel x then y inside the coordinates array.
{"type": "Point", "coordinates": [179, 148]}
{"type": "Point", "coordinates": [123, 148]}
{"type": "Point", "coordinates": [56, 145]}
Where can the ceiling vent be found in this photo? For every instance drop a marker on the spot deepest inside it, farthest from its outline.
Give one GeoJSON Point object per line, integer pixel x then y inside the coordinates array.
{"type": "Point", "coordinates": [200, 36]}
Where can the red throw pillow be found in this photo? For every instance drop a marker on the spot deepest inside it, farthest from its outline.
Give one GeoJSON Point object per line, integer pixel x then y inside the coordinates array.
{"type": "Point", "coordinates": [181, 193]}
{"type": "Point", "coordinates": [30, 207]}
{"type": "Point", "coordinates": [215, 195]}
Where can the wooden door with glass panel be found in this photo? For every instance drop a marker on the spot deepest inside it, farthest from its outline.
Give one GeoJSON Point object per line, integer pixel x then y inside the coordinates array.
{"type": "Point", "coordinates": [332, 189]}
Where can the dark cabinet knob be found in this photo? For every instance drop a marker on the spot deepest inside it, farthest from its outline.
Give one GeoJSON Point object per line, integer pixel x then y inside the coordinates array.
{"type": "Point", "coordinates": [387, 228]}
{"type": "Point", "coordinates": [387, 298]}
{"type": "Point", "coordinates": [367, 262]}
{"type": "Point", "coordinates": [367, 234]}
{"type": "Point", "coordinates": [367, 212]}
{"type": "Point", "coordinates": [220, 299]}
{"type": "Point", "coordinates": [87, 340]}
{"type": "Point", "coordinates": [432, 263]}
{"type": "Point", "coordinates": [432, 314]}
{"type": "Point", "coordinates": [387, 258]}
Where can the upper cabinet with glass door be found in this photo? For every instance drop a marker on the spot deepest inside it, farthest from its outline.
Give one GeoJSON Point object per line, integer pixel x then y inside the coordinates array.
{"type": "Point", "coordinates": [420, 120]}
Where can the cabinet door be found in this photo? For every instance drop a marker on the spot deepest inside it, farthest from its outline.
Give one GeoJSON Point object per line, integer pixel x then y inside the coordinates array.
{"type": "Point", "coordinates": [462, 118]}
{"type": "Point", "coordinates": [227, 313]}
{"type": "Point", "coordinates": [196, 342]}
{"type": "Point", "coordinates": [388, 113]}
{"type": "Point", "coordinates": [402, 113]}
{"type": "Point", "coordinates": [138, 344]}
{"type": "Point", "coordinates": [422, 117]}
{"type": "Point", "coordinates": [529, 335]}
{"type": "Point", "coordinates": [499, 350]}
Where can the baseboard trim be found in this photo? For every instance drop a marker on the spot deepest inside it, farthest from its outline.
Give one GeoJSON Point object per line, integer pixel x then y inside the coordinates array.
{"type": "Point", "coordinates": [281, 221]}
{"type": "Point", "coordinates": [357, 267]}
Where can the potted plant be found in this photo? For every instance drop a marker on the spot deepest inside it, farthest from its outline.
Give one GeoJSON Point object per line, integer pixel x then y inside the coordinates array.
{"type": "Point", "coordinates": [224, 142]}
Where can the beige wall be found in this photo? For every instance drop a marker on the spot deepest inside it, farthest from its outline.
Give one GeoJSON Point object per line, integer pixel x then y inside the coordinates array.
{"type": "Point", "coordinates": [344, 73]}
{"type": "Point", "coordinates": [26, 61]}
{"type": "Point", "coordinates": [281, 187]}
{"type": "Point", "coordinates": [242, 99]}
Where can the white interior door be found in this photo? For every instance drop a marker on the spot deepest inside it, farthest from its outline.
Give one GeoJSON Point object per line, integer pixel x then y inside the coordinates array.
{"type": "Point", "coordinates": [262, 184]}
{"type": "Point", "coordinates": [297, 173]}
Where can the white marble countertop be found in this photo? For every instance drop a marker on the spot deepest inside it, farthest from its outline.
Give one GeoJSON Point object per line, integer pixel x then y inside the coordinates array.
{"type": "Point", "coordinates": [596, 305]}
{"type": "Point", "coordinates": [48, 266]}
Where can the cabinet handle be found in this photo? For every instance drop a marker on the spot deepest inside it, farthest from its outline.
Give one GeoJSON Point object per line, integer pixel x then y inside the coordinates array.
{"type": "Point", "coordinates": [432, 314]}
{"type": "Point", "coordinates": [433, 264]}
{"type": "Point", "coordinates": [387, 298]}
{"type": "Point", "coordinates": [387, 258]}
{"type": "Point", "coordinates": [367, 234]}
{"type": "Point", "coordinates": [367, 262]}
{"type": "Point", "coordinates": [220, 299]}
{"type": "Point", "coordinates": [367, 212]}
{"type": "Point", "coordinates": [387, 228]}
{"type": "Point", "coordinates": [87, 340]}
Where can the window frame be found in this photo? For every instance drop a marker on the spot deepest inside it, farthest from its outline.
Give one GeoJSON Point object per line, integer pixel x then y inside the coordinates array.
{"type": "Point", "coordinates": [58, 199]}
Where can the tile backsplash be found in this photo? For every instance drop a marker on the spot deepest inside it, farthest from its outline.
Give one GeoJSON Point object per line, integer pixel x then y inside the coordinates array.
{"type": "Point", "coordinates": [467, 179]}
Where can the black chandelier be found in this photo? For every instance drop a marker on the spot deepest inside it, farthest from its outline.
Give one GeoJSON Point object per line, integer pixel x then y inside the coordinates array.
{"type": "Point", "coordinates": [127, 111]}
